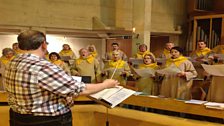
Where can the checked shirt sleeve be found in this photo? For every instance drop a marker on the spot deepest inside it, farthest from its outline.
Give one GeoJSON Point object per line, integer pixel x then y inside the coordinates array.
{"type": "Point", "coordinates": [54, 79]}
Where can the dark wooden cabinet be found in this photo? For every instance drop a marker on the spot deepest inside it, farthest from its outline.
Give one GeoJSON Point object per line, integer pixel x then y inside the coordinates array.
{"type": "Point", "coordinates": [206, 22]}
{"type": "Point", "coordinates": [209, 28]}
{"type": "Point", "coordinates": [207, 6]}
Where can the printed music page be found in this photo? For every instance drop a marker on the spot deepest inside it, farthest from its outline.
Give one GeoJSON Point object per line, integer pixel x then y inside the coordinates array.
{"type": "Point", "coordinates": [172, 69]}
{"type": "Point", "coordinates": [216, 70]}
{"type": "Point", "coordinates": [113, 96]}
{"type": "Point", "coordinates": [145, 72]}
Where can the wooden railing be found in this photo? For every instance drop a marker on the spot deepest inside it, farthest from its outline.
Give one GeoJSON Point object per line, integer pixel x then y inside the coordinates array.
{"type": "Point", "coordinates": [158, 103]}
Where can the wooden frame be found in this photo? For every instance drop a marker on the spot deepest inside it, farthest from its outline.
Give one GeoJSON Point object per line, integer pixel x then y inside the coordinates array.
{"type": "Point", "coordinates": [196, 18]}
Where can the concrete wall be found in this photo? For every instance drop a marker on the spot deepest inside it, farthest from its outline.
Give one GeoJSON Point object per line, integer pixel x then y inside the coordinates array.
{"type": "Point", "coordinates": [107, 12]}
{"type": "Point", "coordinates": [167, 15]}
{"type": "Point", "coordinates": [164, 15]}
{"type": "Point", "coordinates": [124, 15]}
{"type": "Point", "coordinates": [77, 14]}
{"type": "Point", "coordinates": [49, 13]}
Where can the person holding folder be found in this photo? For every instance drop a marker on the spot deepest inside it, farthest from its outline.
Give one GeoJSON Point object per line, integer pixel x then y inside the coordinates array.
{"type": "Point", "coordinates": [200, 56]}
{"type": "Point", "coordinates": [117, 68]}
{"type": "Point", "coordinates": [56, 59]}
{"type": "Point", "coordinates": [142, 51]}
{"type": "Point", "coordinates": [145, 80]}
{"type": "Point", "coordinates": [201, 52]}
{"type": "Point", "coordinates": [87, 65]}
{"type": "Point", "coordinates": [41, 93]}
{"type": "Point", "coordinates": [217, 54]}
{"type": "Point", "coordinates": [115, 47]}
{"type": "Point", "coordinates": [66, 53]}
{"type": "Point", "coordinates": [16, 48]}
{"type": "Point", "coordinates": [166, 51]}
{"type": "Point", "coordinates": [7, 55]}
{"type": "Point", "coordinates": [177, 84]}
{"type": "Point", "coordinates": [92, 50]}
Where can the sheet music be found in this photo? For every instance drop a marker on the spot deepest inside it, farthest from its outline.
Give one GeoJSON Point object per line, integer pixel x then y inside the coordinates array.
{"type": "Point", "coordinates": [71, 62]}
{"type": "Point", "coordinates": [106, 92]}
{"type": "Point", "coordinates": [220, 56]}
{"type": "Point", "coordinates": [192, 101]}
{"type": "Point", "coordinates": [216, 70]}
{"type": "Point", "coordinates": [113, 96]}
{"type": "Point", "coordinates": [65, 58]}
{"type": "Point", "coordinates": [77, 78]}
{"type": "Point", "coordinates": [136, 61]}
{"type": "Point", "coordinates": [147, 72]}
{"type": "Point", "coordinates": [119, 96]}
{"type": "Point", "coordinates": [214, 105]}
{"type": "Point", "coordinates": [172, 69]}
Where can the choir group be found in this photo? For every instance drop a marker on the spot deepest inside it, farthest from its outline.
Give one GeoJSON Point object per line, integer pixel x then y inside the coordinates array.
{"type": "Point", "coordinates": [171, 75]}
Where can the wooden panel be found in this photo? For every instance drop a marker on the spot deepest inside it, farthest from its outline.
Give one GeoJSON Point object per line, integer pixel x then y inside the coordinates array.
{"type": "Point", "coordinates": [173, 105]}
{"type": "Point", "coordinates": [95, 115]}
{"type": "Point", "coordinates": [3, 97]}
{"type": "Point", "coordinates": [157, 44]}
{"type": "Point", "coordinates": [163, 104]}
{"type": "Point", "coordinates": [218, 5]}
{"type": "Point", "coordinates": [222, 31]}
{"type": "Point", "coordinates": [209, 26]}
{"type": "Point", "coordinates": [122, 117]}
{"type": "Point", "coordinates": [209, 16]}
{"type": "Point", "coordinates": [191, 5]}
{"type": "Point", "coordinates": [4, 112]}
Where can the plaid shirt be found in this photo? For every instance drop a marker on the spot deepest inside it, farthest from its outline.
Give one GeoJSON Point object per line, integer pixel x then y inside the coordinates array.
{"type": "Point", "coordinates": [37, 87]}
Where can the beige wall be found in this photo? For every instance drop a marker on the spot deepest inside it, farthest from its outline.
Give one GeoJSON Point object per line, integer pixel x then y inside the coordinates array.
{"type": "Point", "coordinates": [157, 16]}
{"type": "Point", "coordinates": [49, 13]}
{"type": "Point", "coordinates": [77, 14]}
{"type": "Point", "coordinates": [72, 14]}
{"type": "Point", "coordinates": [123, 14]}
{"type": "Point", "coordinates": [167, 15]}
{"type": "Point", "coordinates": [107, 12]}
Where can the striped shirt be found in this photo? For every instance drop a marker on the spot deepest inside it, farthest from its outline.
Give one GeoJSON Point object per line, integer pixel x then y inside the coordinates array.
{"type": "Point", "coordinates": [38, 87]}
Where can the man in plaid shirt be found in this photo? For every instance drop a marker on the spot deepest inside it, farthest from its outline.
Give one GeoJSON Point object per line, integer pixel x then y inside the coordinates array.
{"type": "Point", "coordinates": [40, 93]}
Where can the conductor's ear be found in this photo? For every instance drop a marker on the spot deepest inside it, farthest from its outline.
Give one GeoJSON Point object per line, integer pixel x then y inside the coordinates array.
{"type": "Point", "coordinates": [44, 44]}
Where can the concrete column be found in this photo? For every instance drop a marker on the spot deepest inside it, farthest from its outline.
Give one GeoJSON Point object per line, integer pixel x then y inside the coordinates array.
{"type": "Point", "coordinates": [103, 52]}
{"type": "Point", "coordinates": [147, 22]}
{"type": "Point", "coordinates": [141, 23]}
